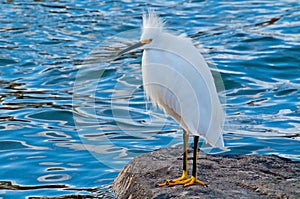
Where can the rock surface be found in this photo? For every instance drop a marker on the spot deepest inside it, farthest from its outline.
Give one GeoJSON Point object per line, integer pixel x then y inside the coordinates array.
{"type": "Point", "coordinates": [227, 176]}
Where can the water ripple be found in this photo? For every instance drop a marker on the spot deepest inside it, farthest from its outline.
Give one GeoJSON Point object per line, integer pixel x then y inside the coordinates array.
{"type": "Point", "coordinates": [71, 117]}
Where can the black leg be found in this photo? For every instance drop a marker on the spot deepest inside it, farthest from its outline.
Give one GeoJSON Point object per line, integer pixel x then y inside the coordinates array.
{"type": "Point", "coordinates": [185, 151]}
{"type": "Point", "coordinates": [195, 158]}
{"type": "Point", "coordinates": [184, 178]}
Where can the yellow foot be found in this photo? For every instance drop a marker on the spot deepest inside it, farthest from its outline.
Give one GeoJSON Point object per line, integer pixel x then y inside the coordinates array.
{"type": "Point", "coordinates": [192, 180]}
{"type": "Point", "coordinates": [183, 181]}
{"type": "Point", "coordinates": [175, 181]}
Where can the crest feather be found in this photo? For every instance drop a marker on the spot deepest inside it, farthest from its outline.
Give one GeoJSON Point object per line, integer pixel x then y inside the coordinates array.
{"type": "Point", "coordinates": [151, 20]}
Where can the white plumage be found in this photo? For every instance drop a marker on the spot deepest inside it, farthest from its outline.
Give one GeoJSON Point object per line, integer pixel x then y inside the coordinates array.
{"type": "Point", "coordinates": [178, 80]}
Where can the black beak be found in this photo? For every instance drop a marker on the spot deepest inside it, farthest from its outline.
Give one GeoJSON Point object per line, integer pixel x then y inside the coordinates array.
{"type": "Point", "coordinates": [139, 44]}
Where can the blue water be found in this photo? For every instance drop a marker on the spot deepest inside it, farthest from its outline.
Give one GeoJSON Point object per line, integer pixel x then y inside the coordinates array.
{"type": "Point", "coordinates": [71, 116]}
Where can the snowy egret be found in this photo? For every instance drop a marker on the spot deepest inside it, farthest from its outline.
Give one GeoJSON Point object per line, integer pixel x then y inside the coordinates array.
{"type": "Point", "coordinates": [178, 80]}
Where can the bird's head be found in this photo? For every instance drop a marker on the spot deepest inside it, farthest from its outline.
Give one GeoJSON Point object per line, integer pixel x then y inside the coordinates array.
{"type": "Point", "coordinates": [152, 28]}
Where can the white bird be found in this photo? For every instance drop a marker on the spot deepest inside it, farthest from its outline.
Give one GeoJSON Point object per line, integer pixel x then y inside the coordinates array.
{"type": "Point", "coordinates": [178, 80]}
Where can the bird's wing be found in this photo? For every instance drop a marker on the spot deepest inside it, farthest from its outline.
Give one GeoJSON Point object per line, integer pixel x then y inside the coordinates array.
{"type": "Point", "coordinates": [177, 79]}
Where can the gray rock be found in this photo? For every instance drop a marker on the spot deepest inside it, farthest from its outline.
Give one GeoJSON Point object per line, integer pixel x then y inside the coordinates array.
{"type": "Point", "coordinates": [227, 176]}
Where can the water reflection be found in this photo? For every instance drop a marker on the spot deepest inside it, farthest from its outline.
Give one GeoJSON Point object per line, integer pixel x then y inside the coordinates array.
{"type": "Point", "coordinates": [7, 145]}
{"type": "Point", "coordinates": [54, 178]}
